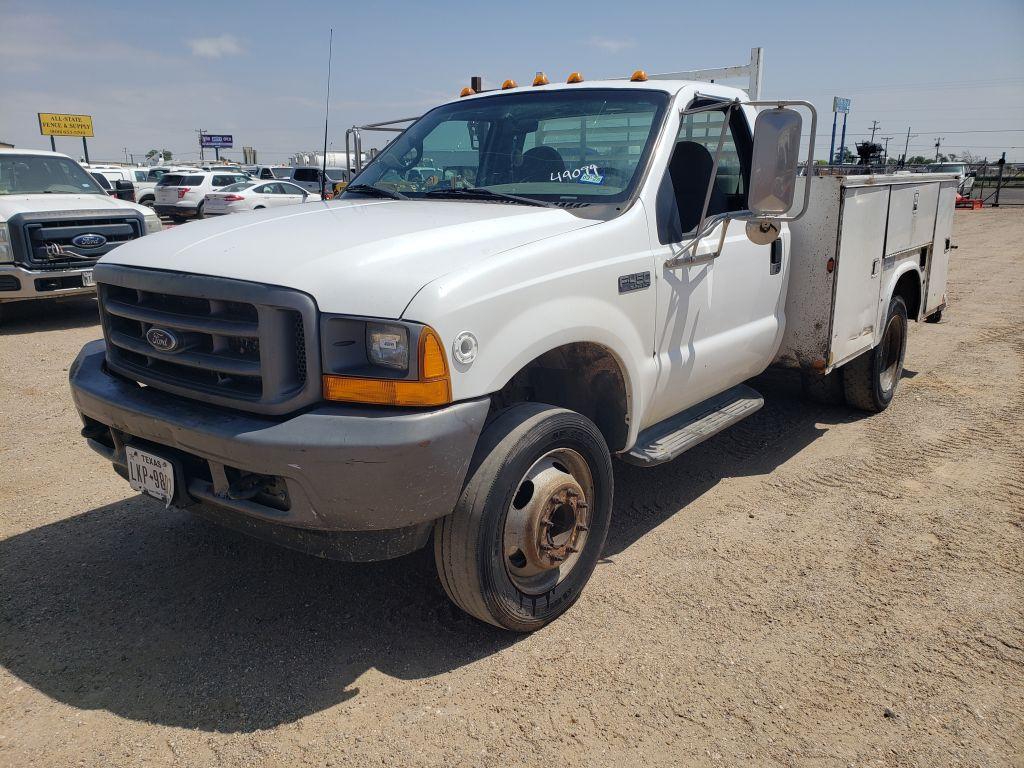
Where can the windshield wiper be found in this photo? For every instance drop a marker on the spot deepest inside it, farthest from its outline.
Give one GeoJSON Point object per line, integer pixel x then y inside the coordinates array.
{"type": "Point", "coordinates": [481, 193]}
{"type": "Point", "coordinates": [369, 189]}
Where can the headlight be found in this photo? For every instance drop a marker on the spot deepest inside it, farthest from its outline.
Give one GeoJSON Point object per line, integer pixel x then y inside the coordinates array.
{"type": "Point", "coordinates": [387, 345]}
{"type": "Point", "coordinates": [6, 256]}
{"type": "Point", "coordinates": [383, 363]}
{"type": "Point", "coordinates": [153, 223]}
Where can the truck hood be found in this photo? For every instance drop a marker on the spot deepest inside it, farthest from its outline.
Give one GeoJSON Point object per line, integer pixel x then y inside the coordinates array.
{"type": "Point", "coordinates": [358, 257]}
{"type": "Point", "coordinates": [12, 204]}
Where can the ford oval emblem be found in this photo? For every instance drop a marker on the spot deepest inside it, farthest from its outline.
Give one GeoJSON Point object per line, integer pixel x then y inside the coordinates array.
{"type": "Point", "coordinates": [162, 340]}
{"type": "Point", "coordinates": [89, 240]}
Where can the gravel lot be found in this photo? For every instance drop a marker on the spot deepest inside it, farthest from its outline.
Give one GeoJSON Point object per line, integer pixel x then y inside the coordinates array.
{"type": "Point", "coordinates": [812, 588]}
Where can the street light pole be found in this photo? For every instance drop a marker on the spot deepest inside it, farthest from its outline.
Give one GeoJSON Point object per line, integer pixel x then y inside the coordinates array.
{"type": "Point", "coordinates": [938, 143]}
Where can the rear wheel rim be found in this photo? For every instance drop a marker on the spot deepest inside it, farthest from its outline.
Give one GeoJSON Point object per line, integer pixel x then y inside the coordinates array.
{"type": "Point", "coordinates": [891, 353]}
{"type": "Point", "coordinates": [547, 523]}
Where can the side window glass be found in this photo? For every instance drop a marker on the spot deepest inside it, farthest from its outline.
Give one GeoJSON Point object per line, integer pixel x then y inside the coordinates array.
{"type": "Point", "coordinates": [682, 193]}
{"type": "Point", "coordinates": [704, 129]}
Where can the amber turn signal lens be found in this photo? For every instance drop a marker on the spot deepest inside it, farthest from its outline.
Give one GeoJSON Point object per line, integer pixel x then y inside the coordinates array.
{"type": "Point", "coordinates": [509, 84]}
{"type": "Point", "coordinates": [575, 77]}
{"type": "Point", "coordinates": [639, 76]}
{"type": "Point", "coordinates": [434, 386]}
{"type": "Point", "coordinates": [348, 389]}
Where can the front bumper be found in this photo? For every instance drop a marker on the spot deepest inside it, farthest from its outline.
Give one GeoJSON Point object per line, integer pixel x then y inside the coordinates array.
{"type": "Point", "coordinates": [17, 283]}
{"type": "Point", "coordinates": [382, 474]}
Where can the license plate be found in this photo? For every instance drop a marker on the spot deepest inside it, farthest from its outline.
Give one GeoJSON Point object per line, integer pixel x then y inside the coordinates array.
{"type": "Point", "coordinates": [150, 474]}
{"type": "Point", "coordinates": [88, 279]}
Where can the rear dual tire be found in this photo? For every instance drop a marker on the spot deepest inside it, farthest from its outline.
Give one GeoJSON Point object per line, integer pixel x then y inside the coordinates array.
{"type": "Point", "coordinates": [532, 519]}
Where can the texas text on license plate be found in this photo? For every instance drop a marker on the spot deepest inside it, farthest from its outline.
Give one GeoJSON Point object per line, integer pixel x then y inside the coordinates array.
{"type": "Point", "coordinates": [150, 474]}
{"type": "Point", "coordinates": [88, 279]}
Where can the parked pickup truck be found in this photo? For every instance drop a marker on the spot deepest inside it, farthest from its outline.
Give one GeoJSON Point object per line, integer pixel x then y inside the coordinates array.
{"type": "Point", "coordinates": [55, 223]}
{"type": "Point", "coordinates": [596, 272]}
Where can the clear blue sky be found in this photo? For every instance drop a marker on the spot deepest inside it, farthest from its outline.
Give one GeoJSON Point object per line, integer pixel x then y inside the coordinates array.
{"type": "Point", "coordinates": [151, 73]}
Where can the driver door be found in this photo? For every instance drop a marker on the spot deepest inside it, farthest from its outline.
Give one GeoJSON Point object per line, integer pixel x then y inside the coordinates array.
{"type": "Point", "coordinates": [719, 315]}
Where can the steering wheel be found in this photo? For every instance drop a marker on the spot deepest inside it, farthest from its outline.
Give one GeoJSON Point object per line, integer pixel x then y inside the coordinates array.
{"type": "Point", "coordinates": [613, 174]}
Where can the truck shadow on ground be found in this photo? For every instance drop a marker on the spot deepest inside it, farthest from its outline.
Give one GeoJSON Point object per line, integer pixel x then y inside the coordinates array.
{"type": "Point", "coordinates": [159, 617]}
{"type": "Point", "coordinates": [20, 317]}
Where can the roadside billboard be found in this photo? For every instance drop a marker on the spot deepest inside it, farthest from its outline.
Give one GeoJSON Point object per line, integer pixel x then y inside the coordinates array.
{"type": "Point", "coordinates": [57, 124]}
{"type": "Point", "coordinates": [217, 141]}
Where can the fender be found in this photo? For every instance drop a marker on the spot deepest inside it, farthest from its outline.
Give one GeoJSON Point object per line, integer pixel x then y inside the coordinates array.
{"type": "Point", "coordinates": [902, 267]}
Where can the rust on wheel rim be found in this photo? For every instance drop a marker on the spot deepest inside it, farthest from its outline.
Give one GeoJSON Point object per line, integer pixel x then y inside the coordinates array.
{"type": "Point", "coordinates": [548, 521]}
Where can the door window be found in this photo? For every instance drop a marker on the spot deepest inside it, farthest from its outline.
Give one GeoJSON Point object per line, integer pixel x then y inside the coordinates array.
{"type": "Point", "coordinates": [681, 197]}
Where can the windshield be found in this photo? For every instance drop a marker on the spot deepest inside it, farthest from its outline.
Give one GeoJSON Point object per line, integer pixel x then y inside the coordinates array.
{"type": "Point", "coordinates": [336, 174]}
{"type": "Point", "coordinates": [238, 187]}
{"type": "Point", "coordinates": [946, 168]}
{"type": "Point", "coordinates": [281, 173]}
{"type": "Point", "coordinates": [563, 146]}
{"type": "Point", "coordinates": [41, 174]}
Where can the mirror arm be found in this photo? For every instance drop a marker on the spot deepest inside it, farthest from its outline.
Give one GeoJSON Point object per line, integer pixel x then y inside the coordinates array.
{"type": "Point", "coordinates": [685, 259]}
{"type": "Point", "coordinates": [810, 152]}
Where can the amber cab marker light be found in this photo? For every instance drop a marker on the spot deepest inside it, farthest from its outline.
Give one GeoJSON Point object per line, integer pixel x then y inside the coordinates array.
{"type": "Point", "coordinates": [434, 386]}
{"type": "Point", "coordinates": [467, 91]}
{"type": "Point", "coordinates": [541, 79]}
{"type": "Point", "coordinates": [575, 77]}
{"type": "Point", "coordinates": [639, 77]}
{"type": "Point", "coordinates": [509, 84]}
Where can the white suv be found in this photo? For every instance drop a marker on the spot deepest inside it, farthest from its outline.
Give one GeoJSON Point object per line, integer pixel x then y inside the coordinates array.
{"type": "Point", "coordinates": [181, 195]}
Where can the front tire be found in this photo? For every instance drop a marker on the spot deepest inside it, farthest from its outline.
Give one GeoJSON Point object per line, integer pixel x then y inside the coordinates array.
{"type": "Point", "coordinates": [531, 522]}
{"type": "Point", "coordinates": [199, 211]}
{"type": "Point", "coordinates": [870, 380]}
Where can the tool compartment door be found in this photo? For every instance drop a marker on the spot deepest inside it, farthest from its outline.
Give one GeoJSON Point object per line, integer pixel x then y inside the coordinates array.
{"type": "Point", "coordinates": [858, 270]}
{"type": "Point", "coordinates": [938, 259]}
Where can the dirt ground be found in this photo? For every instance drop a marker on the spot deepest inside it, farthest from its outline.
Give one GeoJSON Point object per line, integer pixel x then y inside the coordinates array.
{"type": "Point", "coordinates": [813, 587]}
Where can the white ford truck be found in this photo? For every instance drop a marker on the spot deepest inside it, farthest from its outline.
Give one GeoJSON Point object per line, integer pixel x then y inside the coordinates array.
{"type": "Point", "coordinates": [595, 272]}
{"type": "Point", "coordinates": [55, 223]}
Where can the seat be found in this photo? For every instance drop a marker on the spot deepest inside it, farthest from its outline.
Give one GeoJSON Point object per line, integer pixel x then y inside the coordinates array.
{"type": "Point", "coordinates": [690, 171]}
{"type": "Point", "coordinates": [539, 164]}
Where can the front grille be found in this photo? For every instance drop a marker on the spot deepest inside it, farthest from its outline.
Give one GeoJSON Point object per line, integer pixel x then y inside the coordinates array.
{"type": "Point", "coordinates": [235, 343]}
{"type": "Point", "coordinates": [44, 240]}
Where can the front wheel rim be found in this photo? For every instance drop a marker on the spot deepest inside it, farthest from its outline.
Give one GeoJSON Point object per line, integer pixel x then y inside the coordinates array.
{"type": "Point", "coordinates": [547, 524]}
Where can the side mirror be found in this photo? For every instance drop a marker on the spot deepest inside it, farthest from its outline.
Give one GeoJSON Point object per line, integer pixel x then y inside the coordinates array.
{"type": "Point", "coordinates": [774, 162]}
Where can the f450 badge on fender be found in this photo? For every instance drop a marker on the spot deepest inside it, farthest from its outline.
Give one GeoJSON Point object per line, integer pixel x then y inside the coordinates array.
{"type": "Point", "coordinates": [634, 282]}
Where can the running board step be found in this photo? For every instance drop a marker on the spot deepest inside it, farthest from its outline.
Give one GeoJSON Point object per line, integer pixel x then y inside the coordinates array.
{"type": "Point", "coordinates": [667, 439]}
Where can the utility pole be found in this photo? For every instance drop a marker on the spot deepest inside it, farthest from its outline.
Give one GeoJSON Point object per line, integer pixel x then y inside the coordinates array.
{"type": "Point", "coordinates": [201, 131]}
{"type": "Point", "coordinates": [885, 153]}
{"type": "Point", "coordinates": [938, 143]}
{"type": "Point", "coordinates": [906, 147]}
{"type": "Point", "coordinates": [126, 154]}
{"type": "Point", "coordinates": [874, 127]}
